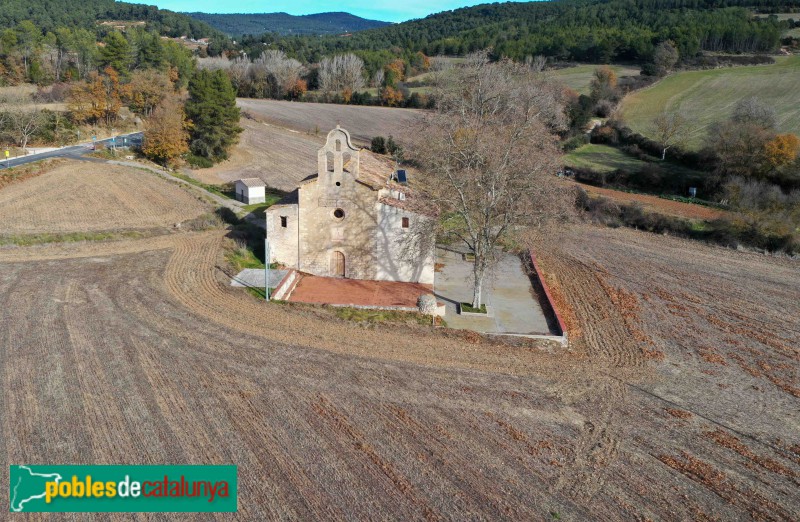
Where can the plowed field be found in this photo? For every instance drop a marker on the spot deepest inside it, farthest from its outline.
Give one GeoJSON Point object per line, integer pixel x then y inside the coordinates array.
{"type": "Point", "coordinates": [79, 196]}
{"type": "Point", "coordinates": [678, 400]}
{"type": "Point", "coordinates": [280, 157]}
{"type": "Point", "coordinates": [657, 204]}
{"type": "Point", "coordinates": [362, 122]}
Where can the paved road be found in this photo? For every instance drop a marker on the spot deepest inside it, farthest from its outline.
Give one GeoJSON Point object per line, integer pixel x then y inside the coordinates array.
{"type": "Point", "coordinates": [134, 138]}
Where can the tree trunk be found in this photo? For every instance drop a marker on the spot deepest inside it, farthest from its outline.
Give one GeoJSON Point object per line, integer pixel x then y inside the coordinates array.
{"type": "Point", "coordinates": [478, 273]}
{"type": "Point", "coordinates": [663, 153]}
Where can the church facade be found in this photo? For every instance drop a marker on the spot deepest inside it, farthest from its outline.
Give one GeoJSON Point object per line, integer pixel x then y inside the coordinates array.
{"type": "Point", "coordinates": [352, 220]}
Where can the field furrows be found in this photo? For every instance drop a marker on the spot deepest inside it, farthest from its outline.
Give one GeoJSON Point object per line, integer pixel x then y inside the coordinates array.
{"type": "Point", "coordinates": [362, 122]}
{"type": "Point", "coordinates": [312, 437]}
{"type": "Point", "coordinates": [140, 352]}
{"type": "Point", "coordinates": [92, 199]}
{"type": "Point", "coordinates": [280, 157]}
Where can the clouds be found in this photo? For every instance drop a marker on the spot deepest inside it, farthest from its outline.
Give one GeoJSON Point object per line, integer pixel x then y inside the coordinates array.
{"type": "Point", "coordinates": [388, 10]}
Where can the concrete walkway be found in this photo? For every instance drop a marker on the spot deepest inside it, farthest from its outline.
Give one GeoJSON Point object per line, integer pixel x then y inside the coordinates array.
{"type": "Point", "coordinates": [254, 278]}
{"type": "Point", "coordinates": [509, 295]}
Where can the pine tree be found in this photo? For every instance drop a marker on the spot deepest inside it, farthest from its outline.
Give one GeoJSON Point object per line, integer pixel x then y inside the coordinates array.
{"type": "Point", "coordinates": [211, 109]}
{"type": "Point", "coordinates": [116, 53]}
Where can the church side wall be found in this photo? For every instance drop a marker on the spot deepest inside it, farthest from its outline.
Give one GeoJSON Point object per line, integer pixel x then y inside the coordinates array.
{"type": "Point", "coordinates": [283, 241]}
{"type": "Point", "coordinates": [401, 253]}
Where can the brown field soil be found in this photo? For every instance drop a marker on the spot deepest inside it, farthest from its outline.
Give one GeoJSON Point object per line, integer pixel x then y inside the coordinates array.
{"type": "Point", "coordinates": [280, 157]}
{"type": "Point", "coordinates": [657, 204]}
{"type": "Point", "coordinates": [79, 196]}
{"type": "Point", "coordinates": [362, 122]}
{"type": "Point", "coordinates": [677, 401]}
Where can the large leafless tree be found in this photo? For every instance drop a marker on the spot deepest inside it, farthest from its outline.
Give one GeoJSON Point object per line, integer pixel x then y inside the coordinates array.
{"type": "Point", "coordinates": [26, 119]}
{"type": "Point", "coordinates": [341, 73]}
{"type": "Point", "coordinates": [490, 155]}
{"type": "Point", "coordinates": [670, 130]}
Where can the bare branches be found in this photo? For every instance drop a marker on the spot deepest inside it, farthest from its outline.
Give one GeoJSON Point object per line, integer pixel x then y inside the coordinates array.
{"type": "Point", "coordinates": [341, 73]}
{"type": "Point", "coordinates": [670, 129]}
{"type": "Point", "coordinates": [490, 154]}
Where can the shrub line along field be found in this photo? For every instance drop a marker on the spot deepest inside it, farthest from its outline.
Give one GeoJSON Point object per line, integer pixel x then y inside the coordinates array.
{"type": "Point", "coordinates": [656, 204]}
{"type": "Point", "coordinates": [678, 398]}
{"type": "Point", "coordinates": [708, 96]}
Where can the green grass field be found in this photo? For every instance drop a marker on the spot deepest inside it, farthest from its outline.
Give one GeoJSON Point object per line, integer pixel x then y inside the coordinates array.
{"type": "Point", "coordinates": [709, 96]}
{"type": "Point", "coordinates": [601, 158]}
{"type": "Point", "coordinates": [579, 77]}
{"type": "Point", "coordinates": [604, 158]}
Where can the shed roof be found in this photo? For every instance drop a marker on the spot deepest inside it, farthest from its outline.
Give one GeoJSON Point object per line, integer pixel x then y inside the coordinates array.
{"type": "Point", "coordinates": [251, 182]}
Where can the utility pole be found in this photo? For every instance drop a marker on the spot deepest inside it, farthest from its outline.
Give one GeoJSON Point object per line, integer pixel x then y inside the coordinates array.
{"type": "Point", "coordinates": [266, 263]}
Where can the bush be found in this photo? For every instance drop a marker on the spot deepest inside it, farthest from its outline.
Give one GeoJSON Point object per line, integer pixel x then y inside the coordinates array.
{"type": "Point", "coordinates": [729, 232]}
{"type": "Point", "coordinates": [199, 162]}
{"type": "Point", "coordinates": [604, 134]}
{"type": "Point", "coordinates": [575, 142]}
{"type": "Point", "coordinates": [604, 108]}
{"type": "Point", "coordinates": [715, 62]}
{"type": "Point", "coordinates": [378, 145]}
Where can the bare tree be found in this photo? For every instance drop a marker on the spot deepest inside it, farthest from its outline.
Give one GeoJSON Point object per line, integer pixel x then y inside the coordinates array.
{"type": "Point", "coordinates": [239, 73]}
{"type": "Point", "coordinates": [377, 78]}
{"type": "Point", "coordinates": [665, 57]}
{"type": "Point", "coordinates": [25, 120]}
{"type": "Point", "coordinates": [344, 72]}
{"type": "Point", "coordinates": [670, 129]}
{"type": "Point", "coordinates": [279, 72]}
{"type": "Point", "coordinates": [490, 155]}
{"type": "Point", "coordinates": [536, 63]}
{"type": "Point", "coordinates": [754, 111]}
{"type": "Point", "coordinates": [214, 63]}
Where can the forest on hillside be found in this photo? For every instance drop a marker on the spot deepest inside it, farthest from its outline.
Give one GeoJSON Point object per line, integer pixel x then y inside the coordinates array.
{"type": "Point", "coordinates": [50, 15]}
{"type": "Point", "coordinates": [598, 31]}
{"type": "Point", "coordinates": [237, 24]}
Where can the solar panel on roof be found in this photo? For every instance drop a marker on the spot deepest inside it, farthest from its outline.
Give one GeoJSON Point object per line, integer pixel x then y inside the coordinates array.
{"type": "Point", "coordinates": [401, 177]}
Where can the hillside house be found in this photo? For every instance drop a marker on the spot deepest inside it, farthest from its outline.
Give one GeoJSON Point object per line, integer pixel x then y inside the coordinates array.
{"type": "Point", "coordinates": [251, 190]}
{"type": "Point", "coordinates": [351, 220]}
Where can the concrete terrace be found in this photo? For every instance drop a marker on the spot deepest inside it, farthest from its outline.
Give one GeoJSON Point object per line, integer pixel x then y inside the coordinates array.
{"type": "Point", "coordinates": [512, 300]}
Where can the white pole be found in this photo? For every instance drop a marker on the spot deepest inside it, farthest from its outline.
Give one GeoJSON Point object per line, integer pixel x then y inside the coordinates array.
{"type": "Point", "coordinates": [266, 261]}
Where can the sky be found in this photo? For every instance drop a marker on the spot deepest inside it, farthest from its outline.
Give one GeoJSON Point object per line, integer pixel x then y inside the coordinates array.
{"type": "Point", "coordinates": [387, 10]}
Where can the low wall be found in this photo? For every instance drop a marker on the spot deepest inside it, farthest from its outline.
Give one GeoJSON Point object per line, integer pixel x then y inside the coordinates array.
{"type": "Point", "coordinates": [285, 287]}
{"type": "Point", "coordinates": [559, 321]}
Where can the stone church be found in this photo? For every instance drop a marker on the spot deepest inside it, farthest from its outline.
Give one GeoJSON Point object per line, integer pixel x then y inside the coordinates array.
{"type": "Point", "coordinates": [353, 220]}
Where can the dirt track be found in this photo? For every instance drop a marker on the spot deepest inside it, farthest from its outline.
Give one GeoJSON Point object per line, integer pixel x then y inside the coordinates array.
{"type": "Point", "coordinates": [147, 356]}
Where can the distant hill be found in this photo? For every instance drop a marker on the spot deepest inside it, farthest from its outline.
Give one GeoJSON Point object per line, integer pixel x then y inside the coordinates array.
{"type": "Point", "coordinates": [48, 15]}
{"type": "Point", "coordinates": [286, 24]}
{"type": "Point", "coordinates": [596, 31]}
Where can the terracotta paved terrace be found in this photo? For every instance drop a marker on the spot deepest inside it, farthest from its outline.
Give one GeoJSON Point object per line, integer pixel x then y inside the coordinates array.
{"type": "Point", "coordinates": [327, 290]}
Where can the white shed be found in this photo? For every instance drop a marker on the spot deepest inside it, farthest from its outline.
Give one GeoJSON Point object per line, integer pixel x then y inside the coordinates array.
{"type": "Point", "coordinates": [251, 190]}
